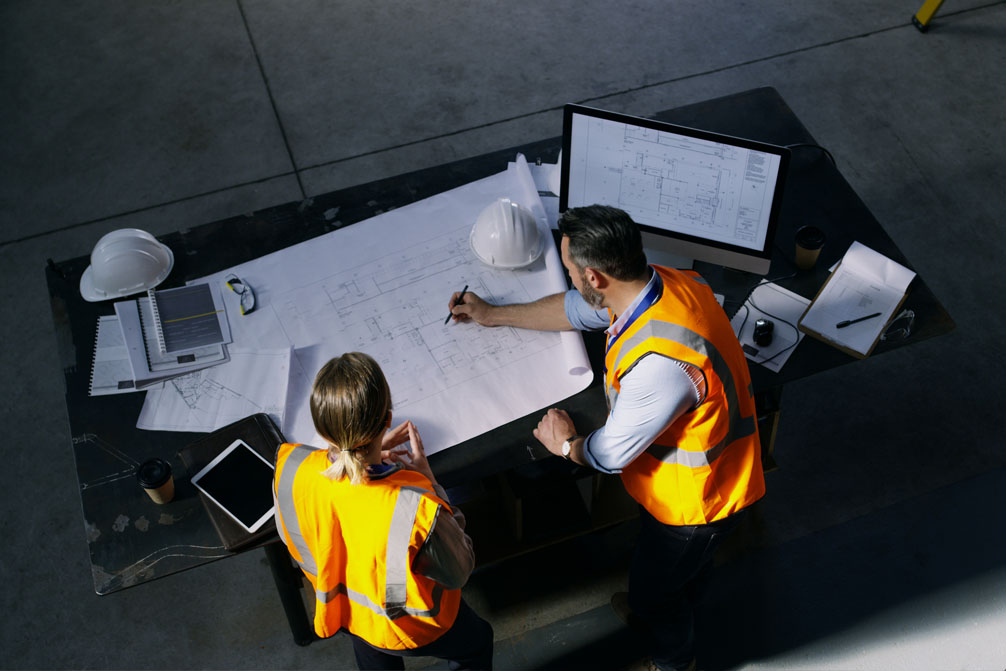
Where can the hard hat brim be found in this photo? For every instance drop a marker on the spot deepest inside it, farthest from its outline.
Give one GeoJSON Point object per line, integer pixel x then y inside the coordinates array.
{"type": "Point", "coordinates": [91, 293]}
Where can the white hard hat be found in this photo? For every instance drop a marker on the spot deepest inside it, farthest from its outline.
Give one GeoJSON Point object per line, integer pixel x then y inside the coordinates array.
{"type": "Point", "coordinates": [506, 235]}
{"type": "Point", "coordinates": [125, 262]}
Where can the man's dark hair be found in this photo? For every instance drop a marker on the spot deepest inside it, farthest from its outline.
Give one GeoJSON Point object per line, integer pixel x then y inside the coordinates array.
{"type": "Point", "coordinates": [604, 238]}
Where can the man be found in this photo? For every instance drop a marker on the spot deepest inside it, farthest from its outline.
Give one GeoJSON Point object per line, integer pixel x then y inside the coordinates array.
{"type": "Point", "coordinates": [681, 427]}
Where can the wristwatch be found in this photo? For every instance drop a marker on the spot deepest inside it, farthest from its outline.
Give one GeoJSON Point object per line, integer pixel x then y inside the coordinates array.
{"type": "Point", "coordinates": [567, 446]}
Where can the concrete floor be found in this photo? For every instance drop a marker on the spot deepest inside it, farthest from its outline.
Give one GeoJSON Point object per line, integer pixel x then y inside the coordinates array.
{"type": "Point", "coordinates": [880, 543]}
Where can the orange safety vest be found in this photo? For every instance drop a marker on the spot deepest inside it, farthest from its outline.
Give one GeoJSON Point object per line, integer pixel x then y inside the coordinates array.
{"type": "Point", "coordinates": [356, 544]}
{"type": "Point", "coordinates": [707, 464]}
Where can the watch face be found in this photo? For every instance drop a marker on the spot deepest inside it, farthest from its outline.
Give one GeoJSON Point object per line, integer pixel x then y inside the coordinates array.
{"type": "Point", "coordinates": [566, 447]}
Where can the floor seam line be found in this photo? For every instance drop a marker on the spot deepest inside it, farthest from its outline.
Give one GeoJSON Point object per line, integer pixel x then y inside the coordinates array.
{"type": "Point", "coordinates": [272, 99]}
{"type": "Point", "coordinates": [167, 203]}
{"type": "Point", "coordinates": [296, 172]}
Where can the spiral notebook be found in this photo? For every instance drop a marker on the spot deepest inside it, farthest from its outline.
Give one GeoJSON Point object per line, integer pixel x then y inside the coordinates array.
{"type": "Point", "coordinates": [146, 362]}
{"type": "Point", "coordinates": [185, 318]}
{"type": "Point", "coordinates": [110, 370]}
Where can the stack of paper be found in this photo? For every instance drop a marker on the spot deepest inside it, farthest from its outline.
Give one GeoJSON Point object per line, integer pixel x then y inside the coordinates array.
{"type": "Point", "coordinates": [157, 337]}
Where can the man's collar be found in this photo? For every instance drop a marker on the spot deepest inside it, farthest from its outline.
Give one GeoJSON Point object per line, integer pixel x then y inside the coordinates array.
{"type": "Point", "coordinates": [619, 324]}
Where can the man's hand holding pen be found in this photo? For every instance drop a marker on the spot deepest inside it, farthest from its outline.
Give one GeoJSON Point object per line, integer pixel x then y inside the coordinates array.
{"type": "Point", "coordinates": [465, 305]}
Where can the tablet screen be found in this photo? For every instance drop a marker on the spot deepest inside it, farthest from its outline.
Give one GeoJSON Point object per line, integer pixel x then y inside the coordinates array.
{"type": "Point", "coordinates": [239, 480]}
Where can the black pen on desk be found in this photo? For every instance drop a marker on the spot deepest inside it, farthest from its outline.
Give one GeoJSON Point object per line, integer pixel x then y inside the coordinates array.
{"type": "Point", "coordinates": [849, 322]}
{"type": "Point", "coordinates": [457, 302]}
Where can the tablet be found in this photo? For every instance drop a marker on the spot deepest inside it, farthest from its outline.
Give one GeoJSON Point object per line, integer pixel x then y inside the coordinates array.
{"type": "Point", "coordinates": [239, 480]}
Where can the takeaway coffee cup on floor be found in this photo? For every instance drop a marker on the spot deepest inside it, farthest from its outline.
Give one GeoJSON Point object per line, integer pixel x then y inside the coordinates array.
{"type": "Point", "coordinates": [809, 241]}
{"type": "Point", "coordinates": [154, 476]}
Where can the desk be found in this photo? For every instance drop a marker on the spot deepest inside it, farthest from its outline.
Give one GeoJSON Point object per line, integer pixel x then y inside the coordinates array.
{"type": "Point", "coordinates": [131, 540]}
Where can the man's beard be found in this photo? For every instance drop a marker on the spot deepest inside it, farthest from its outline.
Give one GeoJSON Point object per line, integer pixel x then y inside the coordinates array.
{"type": "Point", "coordinates": [593, 298]}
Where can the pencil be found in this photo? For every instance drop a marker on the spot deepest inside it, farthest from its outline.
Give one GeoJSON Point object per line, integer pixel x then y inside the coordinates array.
{"type": "Point", "coordinates": [460, 297]}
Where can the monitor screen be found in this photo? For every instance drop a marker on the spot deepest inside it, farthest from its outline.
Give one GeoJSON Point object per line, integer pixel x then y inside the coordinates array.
{"type": "Point", "coordinates": [695, 194]}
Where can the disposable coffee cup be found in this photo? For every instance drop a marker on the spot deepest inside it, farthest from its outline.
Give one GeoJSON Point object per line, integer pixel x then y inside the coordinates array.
{"type": "Point", "coordinates": [154, 475]}
{"type": "Point", "coordinates": [809, 241]}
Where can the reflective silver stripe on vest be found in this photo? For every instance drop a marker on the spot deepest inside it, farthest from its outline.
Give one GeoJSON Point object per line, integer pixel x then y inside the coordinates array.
{"type": "Point", "coordinates": [739, 427]}
{"type": "Point", "coordinates": [288, 511]}
{"type": "Point", "coordinates": [362, 600]}
{"type": "Point", "coordinates": [397, 553]}
{"type": "Point", "coordinates": [397, 559]}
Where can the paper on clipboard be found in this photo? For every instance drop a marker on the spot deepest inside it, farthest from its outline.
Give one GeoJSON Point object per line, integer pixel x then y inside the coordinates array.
{"type": "Point", "coordinates": [865, 282]}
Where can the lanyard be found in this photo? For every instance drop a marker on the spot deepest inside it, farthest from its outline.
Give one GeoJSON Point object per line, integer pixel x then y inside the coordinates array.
{"type": "Point", "coordinates": [649, 299]}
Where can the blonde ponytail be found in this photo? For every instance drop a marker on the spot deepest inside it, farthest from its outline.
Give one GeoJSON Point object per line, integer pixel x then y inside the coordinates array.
{"type": "Point", "coordinates": [346, 463]}
{"type": "Point", "coordinates": [350, 403]}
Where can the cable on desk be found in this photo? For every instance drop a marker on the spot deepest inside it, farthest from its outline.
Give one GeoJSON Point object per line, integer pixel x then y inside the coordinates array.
{"type": "Point", "coordinates": [750, 299]}
{"type": "Point", "coordinates": [748, 292]}
{"type": "Point", "coordinates": [810, 145]}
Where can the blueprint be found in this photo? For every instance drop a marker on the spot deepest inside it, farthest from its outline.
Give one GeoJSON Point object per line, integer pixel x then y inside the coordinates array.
{"type": "Point", "coordinates": [382, 287]}
{"type": "Point", "coordinates": [394, 309]}
{"type": "Point", "coordinates": [253, 381]}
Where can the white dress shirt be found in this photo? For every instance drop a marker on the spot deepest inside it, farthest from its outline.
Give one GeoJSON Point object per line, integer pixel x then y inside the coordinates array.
{"type": "Point", "coordinates": [652, 395]}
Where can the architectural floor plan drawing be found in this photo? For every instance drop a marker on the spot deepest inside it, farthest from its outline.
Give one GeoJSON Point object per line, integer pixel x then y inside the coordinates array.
{"type": "Point", "coordinates": [673, 181]}
{"type": "Point", "coordinates": [394, 308]}
{"type": "Point", "coordinates": [251, 382]}
{"type": "Point", "coordinates": [382, 287]}
{"type": "Point", "coordinates": [697, 183]}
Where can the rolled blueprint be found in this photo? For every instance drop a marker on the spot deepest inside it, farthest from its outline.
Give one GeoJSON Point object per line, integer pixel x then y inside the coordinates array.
{"type": "Point", "coordinates": [572, 342]}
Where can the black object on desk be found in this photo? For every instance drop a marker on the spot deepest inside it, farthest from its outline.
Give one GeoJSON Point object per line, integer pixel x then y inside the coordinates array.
{"type": "Point", "coordinates": [132, 540]}
{"type": "Point", "coordinates": [261, 434]}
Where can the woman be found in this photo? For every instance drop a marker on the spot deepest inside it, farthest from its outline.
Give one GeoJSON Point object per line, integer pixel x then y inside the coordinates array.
{"type": "Point", "coordinates": [374, 532]}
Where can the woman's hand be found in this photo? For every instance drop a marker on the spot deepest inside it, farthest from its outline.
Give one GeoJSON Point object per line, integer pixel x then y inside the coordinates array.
{"type": "Point", "coordinates": [415, 458]}
{"type": "Point", "coordinates": [393, 438]}
{"type": "Point", "coordinates": [418, 454]}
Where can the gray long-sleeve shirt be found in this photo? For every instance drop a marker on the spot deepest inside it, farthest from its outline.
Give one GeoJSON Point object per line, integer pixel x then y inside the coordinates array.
{"type": "Point", "coordinates": [447, 556]}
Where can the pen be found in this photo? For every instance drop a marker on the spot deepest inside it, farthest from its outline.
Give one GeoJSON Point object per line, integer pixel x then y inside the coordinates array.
{"type": "Point", "coordinates": [460, 297]}
{"type": "Point", "coordinates": [848, 322]}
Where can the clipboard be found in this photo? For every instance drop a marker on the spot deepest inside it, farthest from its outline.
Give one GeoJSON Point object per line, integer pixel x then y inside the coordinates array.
{"type": "Point", "coordinates": [863, 282]}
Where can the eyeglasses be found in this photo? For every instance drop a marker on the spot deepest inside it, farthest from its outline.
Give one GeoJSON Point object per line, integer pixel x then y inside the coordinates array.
{"type": "Point", "coordinates": [900, 327]}
{"type": "Point", "coordinates": [244, 291]}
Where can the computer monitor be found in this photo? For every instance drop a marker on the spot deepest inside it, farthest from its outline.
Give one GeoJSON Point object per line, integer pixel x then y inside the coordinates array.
{"type": "Point", "coordinates": [695, 194]}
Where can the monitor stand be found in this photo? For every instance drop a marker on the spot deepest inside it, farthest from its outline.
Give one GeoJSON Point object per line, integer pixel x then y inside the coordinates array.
{"type": "Point", "coordinates": [667, 259]}
{"type": "Point", "coordinates": [662, 257]}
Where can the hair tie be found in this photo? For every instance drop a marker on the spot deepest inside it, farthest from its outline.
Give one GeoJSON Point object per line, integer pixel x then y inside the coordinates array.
{"type": "Point", "coordinates": [352, 449]}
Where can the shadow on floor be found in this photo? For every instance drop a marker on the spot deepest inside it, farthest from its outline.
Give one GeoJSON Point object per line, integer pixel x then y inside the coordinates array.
{"type": "Point", "coordinates": [818, 586]}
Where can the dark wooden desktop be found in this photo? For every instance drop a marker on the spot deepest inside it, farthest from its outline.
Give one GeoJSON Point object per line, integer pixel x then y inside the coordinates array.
{"type": "Point", "coordinates": [132, 540]}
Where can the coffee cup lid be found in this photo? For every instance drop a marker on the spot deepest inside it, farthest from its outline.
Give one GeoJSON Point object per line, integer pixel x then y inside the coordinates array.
{"type": "Point", "coordinates": [810, 237]}
{"type": "Point", "coordinates": [153, 473]}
